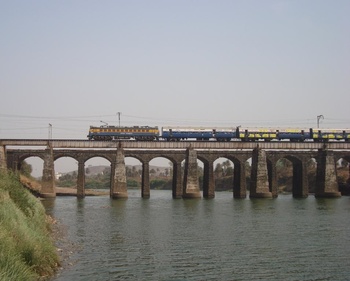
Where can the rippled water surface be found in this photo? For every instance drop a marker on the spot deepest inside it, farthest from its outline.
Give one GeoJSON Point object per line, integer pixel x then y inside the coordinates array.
{"type": "Point", "coordinates": [219, 239]}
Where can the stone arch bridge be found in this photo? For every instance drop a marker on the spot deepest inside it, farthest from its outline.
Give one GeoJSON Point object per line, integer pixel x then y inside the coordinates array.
{"type": "Point", "coordinates": [264, 157]}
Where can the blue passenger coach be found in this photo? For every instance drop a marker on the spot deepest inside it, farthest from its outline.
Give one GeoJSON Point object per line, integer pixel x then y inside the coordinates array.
{"type": "Point", "coordinates": [198, 133]}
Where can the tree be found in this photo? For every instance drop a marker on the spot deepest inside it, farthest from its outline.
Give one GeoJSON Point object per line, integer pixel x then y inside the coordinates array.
{"type": "Point", "coordinates": [227, 169]}
{"type": "Point", "coordinates": [223, 169]}
{"type": "Point", "coordinates": [218, 170]}
{"type": "Point", "coordinates": [133, 171]}
{"type": "Point", "coordinates": [26, 169]}
{"type": "Point", "coordinates": [128, 171]}
{"type": "Point", "coordinates": [152, 172]}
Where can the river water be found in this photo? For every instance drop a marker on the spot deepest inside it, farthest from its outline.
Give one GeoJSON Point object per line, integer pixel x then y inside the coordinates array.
{"type": "Point", "coordinates": [218, 239]}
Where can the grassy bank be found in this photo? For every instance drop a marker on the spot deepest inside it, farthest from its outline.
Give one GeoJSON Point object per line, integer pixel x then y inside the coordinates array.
{"type": "Point", "coordinates": [27, 251]}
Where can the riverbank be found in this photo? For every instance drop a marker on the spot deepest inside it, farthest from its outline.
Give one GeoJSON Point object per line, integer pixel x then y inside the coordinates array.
{"type": "Point", "coordinates": [27, 250]}
{"type": "Point", "coordinates": [35, 187]}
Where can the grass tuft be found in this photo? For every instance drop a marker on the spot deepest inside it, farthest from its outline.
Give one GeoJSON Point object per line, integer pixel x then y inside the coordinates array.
{"type": "Point", "coordinates": [27, 251]}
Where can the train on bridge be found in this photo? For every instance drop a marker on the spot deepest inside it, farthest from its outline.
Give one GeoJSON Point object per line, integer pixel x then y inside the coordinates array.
{"type": "Point", "coordinates": [148, 133]}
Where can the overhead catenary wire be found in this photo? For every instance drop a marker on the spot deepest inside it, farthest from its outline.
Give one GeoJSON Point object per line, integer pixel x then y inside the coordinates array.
{"type": "Point", "coordinates": [78, 125]}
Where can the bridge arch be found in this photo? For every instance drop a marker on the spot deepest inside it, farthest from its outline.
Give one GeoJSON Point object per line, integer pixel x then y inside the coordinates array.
{"type": "Point", "coordinates": [98, 155]}
{"type": "Point", "coordinates": [343, 172]}
{"type": "Point", "coordinates": [239, 161]}
{"type": "Point", "coordinates": [223, 174]}
{"type": "Point", "coordinates": [97, 172]}
{"type": "Point", "coordinates": [299, 174]}
{"type": "Point", "coordinates": [164, 172]}
{"type": "Point", "coordinates": [174, 178]}
{"type": "Point", "coordinates": [146, 157]}
{"type": "Point", "coordinates": [60, 156]}
{"type": "Point", "coordinates": [345, 156]}
{"type": "Point", "coordinates": [16, 162]}
{"type": "Point", "coordinates": [36, 162]}
{"type": "Point", "coordinates": [24, 156]}
{"type": "Point", "coordinates": [66, 168]}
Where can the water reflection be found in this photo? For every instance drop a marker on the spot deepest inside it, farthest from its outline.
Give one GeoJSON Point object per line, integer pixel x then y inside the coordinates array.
{"type": "Point", "coordinates": [326, 203]}
{"type": "Point", "coordinates": [49, 204]}
{"type": "Point", "coordinates": [220, 239]}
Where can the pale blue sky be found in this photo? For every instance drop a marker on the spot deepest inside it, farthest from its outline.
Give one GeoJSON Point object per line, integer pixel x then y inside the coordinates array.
{"type": "Point", "coordinates": [201, 63]}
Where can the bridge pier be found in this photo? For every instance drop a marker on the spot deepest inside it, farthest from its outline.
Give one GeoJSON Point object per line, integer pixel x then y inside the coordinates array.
{"type": "Point", "coordinates": [3, 162]}
{"type": "Point", "coordinates": [177, 187]}
{"type": "Point", "coordinates": [326, 175]}
{"type": "Point", "coordinates": [191, 182]}
{"type": "Point", "coordinates": [81, 179]}
{"type": "Point", "coordinates": [272, 176]}
{"type": "Point", "coordinates": [48, 180]}
{"type": "Point", "coordinates": [259, 187]}
{"type": "Point", "coordinates": [208, 180]}
{"type": "Point", "coordinates": [145, 185]}
{"type": "Point", "coordinates": [118, 185]}
{"type": "Point", "coordinates": [239, 180]}
{"type": "Point", "coordinates": [300, 180]}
